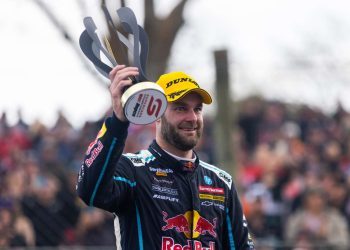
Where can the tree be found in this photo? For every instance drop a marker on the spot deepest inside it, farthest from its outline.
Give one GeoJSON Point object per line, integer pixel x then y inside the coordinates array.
{"type": "Point", "coordinates": [161, 33]}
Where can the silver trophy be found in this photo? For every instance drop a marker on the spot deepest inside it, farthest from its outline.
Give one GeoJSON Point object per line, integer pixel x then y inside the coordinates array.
{"type": "Point", "coordinates": [144, 102]}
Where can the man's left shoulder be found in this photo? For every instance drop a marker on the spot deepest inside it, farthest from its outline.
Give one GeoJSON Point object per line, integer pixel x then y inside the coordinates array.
{"type": "Point", "coordinates": [221, 174]}
{"type": "Point", "coordinates": [140, 158]}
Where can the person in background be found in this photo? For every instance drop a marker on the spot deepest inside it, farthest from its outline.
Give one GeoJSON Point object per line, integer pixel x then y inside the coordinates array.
{"type": "Point", "coordinates": [316, 223]}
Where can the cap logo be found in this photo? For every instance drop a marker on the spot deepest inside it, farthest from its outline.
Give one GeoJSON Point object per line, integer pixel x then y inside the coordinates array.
{"type": "Point", "coordinates": [181, 80]}
{"type": "Point", "coordinates": [177, 93]}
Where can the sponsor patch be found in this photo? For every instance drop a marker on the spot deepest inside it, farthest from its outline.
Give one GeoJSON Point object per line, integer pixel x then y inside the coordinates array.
{"type": "Point", "coordinates": [166, 198]}
{"type": "Point", "coordinates": [99, 135]}
{"type": "Point", "coordinates": [250, 241]}
{"type": "Point", "coordinates": [163, 181]}
{"type": "Point", "coordinates": [164, 190]}
{"type": "Point", "coordinates": [182, 223]}
{"type": "Point", "coordinates": [81, 173]}
{"type": "Point", "coordinates": [94, 153]}
{"type": "Point", "coordinates": [159, 173]}
{"type": "Point", "coordinates": [207, 203]}
{"type": "Point", "coordinates": [179, 80]}
{"type": "Point", "coordinates": [211, 197]}
{"type": "Point", "coordinates": [225, 177]}
{"type": "Point", "coordinates": [176, 93]}
{"type": "Point", "coordinates": [164, 170]}
{"type": "Point", "coordinates": [211, 190]}
{"type": "Point", "coordinates": [169, 244]}
{"type": "Point", "coordinates": [137, 161]}
{"type": "Point", "coordinates": [222, 207]}
{"type": "Point", "coordinates": [208, 180]}
{"type": "Point", "coordinates": [210, 203]}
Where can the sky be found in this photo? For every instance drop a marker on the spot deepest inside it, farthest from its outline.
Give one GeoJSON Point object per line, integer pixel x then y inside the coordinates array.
{"type": "Point", "coordinates": [41, 73]}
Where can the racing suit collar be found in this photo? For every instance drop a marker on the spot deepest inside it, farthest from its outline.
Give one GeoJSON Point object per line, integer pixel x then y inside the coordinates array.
{"type": "Point", "coordinates": [169, 161]}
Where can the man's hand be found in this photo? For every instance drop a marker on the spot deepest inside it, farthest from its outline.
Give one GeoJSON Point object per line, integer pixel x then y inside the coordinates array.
{"type": "Point", "coordinates": [120, 77]}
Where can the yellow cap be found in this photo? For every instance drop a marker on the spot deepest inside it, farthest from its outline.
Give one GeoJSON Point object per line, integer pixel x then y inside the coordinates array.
{"type": "Point", "coordinates": [177, 84]}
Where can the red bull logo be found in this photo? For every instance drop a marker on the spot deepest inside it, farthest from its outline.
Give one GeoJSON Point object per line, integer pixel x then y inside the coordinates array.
{"type": "Point", "coordinates": [204, 226]}
{"type": "Point", "coordinates": [183, 223]}
{"type": "Point", "coordinates": [178, 222]}
{"type": "Point", "coordinates": [168, 244]}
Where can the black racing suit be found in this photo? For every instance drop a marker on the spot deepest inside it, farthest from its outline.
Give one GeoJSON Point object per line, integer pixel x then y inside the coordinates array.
{"type": "Point", "coordinates": [158, 203]}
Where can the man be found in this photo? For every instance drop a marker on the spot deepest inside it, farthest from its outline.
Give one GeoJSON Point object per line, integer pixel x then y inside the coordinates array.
{"type": "Point", "coordinates": [163, 197]}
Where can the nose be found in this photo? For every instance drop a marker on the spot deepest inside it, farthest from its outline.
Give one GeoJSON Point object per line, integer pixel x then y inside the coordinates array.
{"type": "Point", "coordinates": [191, 115]}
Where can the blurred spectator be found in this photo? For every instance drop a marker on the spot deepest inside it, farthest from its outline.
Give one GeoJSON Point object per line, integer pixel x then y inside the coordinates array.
{"type": "Point", "coordinates": [15, 229]}
{"type": "Point", "coordinates": [316, 223]}
{"type": "Point", "coordinates": [95, 228]}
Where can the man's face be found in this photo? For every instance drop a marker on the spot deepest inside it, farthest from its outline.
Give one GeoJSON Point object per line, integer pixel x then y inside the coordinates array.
{"type": "Point", "coordinates": [182, 123]}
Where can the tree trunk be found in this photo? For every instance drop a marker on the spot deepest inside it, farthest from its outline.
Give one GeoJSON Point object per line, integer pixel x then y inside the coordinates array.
{"type": "Point", "coordinates": [224, 118]}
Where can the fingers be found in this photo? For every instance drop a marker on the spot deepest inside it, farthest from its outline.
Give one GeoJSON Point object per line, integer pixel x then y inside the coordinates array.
{"type": "Point", "coordinates": [121, 72]}
{"type": "Point", "coordinates": [118, 89]}
{"type": "Point", "coordinates": [115, 70]}
{"type": "Point", "coordinates": [121, 78]}
{"type": "Point", "coordinates": [121, 75]}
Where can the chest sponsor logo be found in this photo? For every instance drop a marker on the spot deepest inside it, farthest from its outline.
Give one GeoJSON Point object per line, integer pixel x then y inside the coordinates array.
{"type": "Point", "coordinates": [94, 153]}
{"type": "Point", "coordinates": [211, 190]}
{"type": "Point", "coordinates": [161, 171]}
{"type": "Point", "coordinates": [165, 190]}
{"type": "Point", "coordinates": [212, 197]}
{"type": "Point", "coordinates": [182, 223]}
{"type": "Point", "coordinates": [210, 203]}
{"type": "Point", "coordinates": [163, 181]}
{"type": "Point", "coordinates": [166, 198]}
{"type": "Point", "coordinates": [168, 243]}
{"type": "Point", "coordinates": [208, 180]}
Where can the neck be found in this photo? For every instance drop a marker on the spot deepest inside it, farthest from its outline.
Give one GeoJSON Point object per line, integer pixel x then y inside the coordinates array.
{"type": "Point", "coordinates": [173, 150]}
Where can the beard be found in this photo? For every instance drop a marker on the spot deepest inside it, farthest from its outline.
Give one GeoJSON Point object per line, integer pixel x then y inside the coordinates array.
{"type": "Point", "coordinates": [171, 134]}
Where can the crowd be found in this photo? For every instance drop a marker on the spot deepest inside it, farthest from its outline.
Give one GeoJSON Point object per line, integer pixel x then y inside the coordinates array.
{"type": "Point", "coordinates": [292, 165]}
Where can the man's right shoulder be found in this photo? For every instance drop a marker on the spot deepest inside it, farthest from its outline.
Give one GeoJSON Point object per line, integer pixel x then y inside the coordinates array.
{"type": "Point", "coordinates": [140, 158]}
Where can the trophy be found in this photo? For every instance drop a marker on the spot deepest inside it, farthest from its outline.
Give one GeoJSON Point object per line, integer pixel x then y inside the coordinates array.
{"type": "Point", "coordinates": [144, 102]}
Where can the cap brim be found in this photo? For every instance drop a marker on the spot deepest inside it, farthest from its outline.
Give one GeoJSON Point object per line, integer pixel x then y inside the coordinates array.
{"type": "Point", "coordinates": [203, 93]}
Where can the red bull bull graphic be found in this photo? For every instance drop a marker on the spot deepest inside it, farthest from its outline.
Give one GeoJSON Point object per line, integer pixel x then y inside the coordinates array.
{"type": "Point", "coordinates": [204, 226]}
{"type": "Point", "coordinates": [183, 223]}
{"type": "Point", "coordinates": [179, 222]}
{"type": "Point", "coordinates": [169, 244]}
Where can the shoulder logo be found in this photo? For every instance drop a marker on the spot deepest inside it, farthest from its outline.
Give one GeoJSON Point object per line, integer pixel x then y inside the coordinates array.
{"type": "Point", "coordinates": [136, 160]}
{"type": "Point", "coordinates": [207, 180]}
{"type": "Point", "coordinates": [225, 176]}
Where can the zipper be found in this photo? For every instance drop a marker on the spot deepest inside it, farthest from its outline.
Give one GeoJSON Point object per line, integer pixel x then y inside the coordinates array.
{"type": "Point", "coordinates": [189, 177]}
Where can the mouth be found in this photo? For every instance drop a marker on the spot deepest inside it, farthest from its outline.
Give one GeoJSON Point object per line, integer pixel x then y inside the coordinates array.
{"type": "Point", "coordinates": [188, 129]}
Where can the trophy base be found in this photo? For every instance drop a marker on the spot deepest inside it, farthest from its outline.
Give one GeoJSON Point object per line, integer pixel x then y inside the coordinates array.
{"type": "Point", "coordinates": [144, 103]}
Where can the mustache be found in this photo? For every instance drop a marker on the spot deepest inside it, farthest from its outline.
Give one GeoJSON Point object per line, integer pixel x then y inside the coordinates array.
{"type": "Point", "coordinates": [189, 125]}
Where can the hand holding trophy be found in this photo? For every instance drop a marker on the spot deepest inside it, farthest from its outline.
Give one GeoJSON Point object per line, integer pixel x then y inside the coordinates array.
{"type": "Point", "coordinates": [144, 102]}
